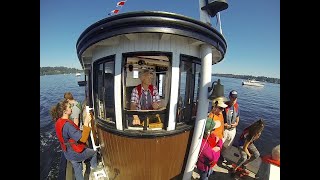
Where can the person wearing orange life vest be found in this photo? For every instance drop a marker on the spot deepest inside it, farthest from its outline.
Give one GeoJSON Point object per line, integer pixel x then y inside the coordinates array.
{"type": "Point", "coordinates": [72, 140]}
{"type": "Point", "coordinates": [216, 114]}
{"type": "Point", "coordinates": [145, 96]}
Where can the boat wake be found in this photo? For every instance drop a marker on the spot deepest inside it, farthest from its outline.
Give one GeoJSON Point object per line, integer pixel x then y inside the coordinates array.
{"type": "Point", "coordinates": [50, 154]}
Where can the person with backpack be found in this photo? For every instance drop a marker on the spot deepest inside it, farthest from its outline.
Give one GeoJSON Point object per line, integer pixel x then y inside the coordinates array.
{"type": "Point", "coordinates": [145, 96]}
{"type": "Point", "coordinates": [76, 108]}
{"type": "Point", "coordinates": [209, 150]}
{"type": "Point", "coordinates": [72, 140]}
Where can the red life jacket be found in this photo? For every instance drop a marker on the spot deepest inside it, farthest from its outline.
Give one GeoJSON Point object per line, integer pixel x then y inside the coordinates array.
{"type": "Point", "coordinates": [212, 143]}
{"type": "Point", "coordinates": [77, 147]}
{"type": "Point", "coordinates": [150, 87]}
{"type": "Point", "coordinates": [236, 108]}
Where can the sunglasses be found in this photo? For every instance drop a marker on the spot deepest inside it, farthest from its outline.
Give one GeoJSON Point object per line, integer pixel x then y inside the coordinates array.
{"type": "Point", "coordinates": [221, 108]}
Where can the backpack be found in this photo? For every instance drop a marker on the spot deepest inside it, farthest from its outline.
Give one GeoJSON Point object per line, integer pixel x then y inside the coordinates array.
{"type": "Point", "coordinates": [79, 106]}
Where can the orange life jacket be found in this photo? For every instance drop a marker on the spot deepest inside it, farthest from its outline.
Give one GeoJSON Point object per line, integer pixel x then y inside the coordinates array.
{"type": "Point", "coordinates": [218, 131]}
{"type": "Point", "coordinates": [268, 159]}
{"type": "Point", "coordinates": [77, 147]}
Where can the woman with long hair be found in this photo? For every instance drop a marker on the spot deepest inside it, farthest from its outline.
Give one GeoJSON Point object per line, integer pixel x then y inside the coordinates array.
{"type": "Point", "coordinates": [72, 140]}
{"type": "Point", "coordinates": [248, 150]}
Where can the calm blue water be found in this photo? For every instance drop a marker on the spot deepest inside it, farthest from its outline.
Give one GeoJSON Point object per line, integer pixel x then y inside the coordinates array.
{"type": "Point", "coordinates": [52, 89]}
{"type": "Point", "coordinates": [255, 102]}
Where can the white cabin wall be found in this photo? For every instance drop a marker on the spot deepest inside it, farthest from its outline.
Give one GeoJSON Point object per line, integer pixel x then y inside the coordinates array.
{"type": "Point", "coordinates": [117, 90]}
{"type": "Point", "coordinates": [148, 42]}
{"type": "Point", "coordinates": [132, 82]}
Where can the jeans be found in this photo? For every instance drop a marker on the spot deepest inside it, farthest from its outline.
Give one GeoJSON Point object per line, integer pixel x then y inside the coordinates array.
{"type": "Point", "coordinates": [204, 175]}
{"type": "Point", "coordinates": [77, 165]}
{"type": "Point", "coordinates": [244, 157]}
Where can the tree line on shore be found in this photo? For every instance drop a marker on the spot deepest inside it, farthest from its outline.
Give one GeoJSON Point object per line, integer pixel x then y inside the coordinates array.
{"type": "Point", "coordinates": [245, 77]}
{"type": "Point", "coordinates": [58, 70]}
{"type": "Point", "coordinates": [66, 70]}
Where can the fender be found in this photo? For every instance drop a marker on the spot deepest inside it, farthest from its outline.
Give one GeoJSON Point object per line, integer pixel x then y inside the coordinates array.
{"type": "Point", "coordinates": [268, 159]}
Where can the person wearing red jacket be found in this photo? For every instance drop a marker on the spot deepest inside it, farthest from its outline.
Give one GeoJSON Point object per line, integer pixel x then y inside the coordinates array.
{"type": "Point", "coordinates": [72, 140]}
{"type": "Point", "coordinates": [209, 150]}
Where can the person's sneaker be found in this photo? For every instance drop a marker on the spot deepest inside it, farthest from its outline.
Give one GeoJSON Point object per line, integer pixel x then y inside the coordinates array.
{"type": "Point", "coordinates": [221, 158]}
{"type": "Point", "coordinates": [232, 170]}
{"type": "Point", "coordinates": [98, 168]}
{"type": "Point", "coordinates": [224, 160]}
{"type": "Point", "coordinates": [98, 173]}
{"type": "Point", "coordinates": [245, 171]}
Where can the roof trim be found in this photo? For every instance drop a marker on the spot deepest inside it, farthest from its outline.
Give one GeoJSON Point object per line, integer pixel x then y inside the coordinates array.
{"type": "Point", "coordinates": [150, 22]}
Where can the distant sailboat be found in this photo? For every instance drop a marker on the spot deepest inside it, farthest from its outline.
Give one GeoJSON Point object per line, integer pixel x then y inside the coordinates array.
{"type": "Point", "coordinates": [78, 74]}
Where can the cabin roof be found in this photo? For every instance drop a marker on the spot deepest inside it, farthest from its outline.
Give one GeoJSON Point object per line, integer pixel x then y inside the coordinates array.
{"type": "Point", "coordinates": [149, 22]}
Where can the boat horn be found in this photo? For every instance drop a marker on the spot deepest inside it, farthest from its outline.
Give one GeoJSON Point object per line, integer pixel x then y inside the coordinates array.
{"type": "Point", "coordinates": [215, 6]}
{"type": "Point", "coordinates": [217, 91]}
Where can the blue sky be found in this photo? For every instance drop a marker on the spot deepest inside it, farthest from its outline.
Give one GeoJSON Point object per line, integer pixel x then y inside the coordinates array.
{"type": "Point", "coordinates": [251, 29]}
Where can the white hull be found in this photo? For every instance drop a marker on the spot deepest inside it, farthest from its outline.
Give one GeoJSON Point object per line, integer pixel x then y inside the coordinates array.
{"type": "Point", "coordinates": [252, 84]}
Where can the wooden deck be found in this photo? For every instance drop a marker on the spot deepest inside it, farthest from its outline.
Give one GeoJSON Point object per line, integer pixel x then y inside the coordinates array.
{"type": "Point", "coordinates": [221, 170]}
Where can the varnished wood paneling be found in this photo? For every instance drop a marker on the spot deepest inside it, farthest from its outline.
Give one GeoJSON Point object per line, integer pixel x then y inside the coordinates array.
{"type": "Point", "coordinates": [159, 158]}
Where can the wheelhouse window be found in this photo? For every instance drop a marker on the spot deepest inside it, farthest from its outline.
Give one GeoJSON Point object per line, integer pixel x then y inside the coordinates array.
{"type": "Point", "coordinates": [188, 89]}
{"type": "Point", "coordinates": [146, 89]}
{"type": "Point", "coordinates": [104, 89]}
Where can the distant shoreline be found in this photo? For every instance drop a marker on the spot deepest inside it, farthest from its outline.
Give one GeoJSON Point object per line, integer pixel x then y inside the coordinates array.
{"type": "Point", "coordinates": [245, 77]}
{"type": "Point", "coordinates": [58, 70]}
{"type": "Point", "coordinates": [66, 70]}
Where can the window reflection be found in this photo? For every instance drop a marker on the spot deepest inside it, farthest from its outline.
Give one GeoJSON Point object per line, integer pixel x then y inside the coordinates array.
{"type": "Point", "coordinates": [104, 89]}
{"type": "Point", "coordinates": [188, 89]}
{"type": "Point", "coordinates": [99, 96]}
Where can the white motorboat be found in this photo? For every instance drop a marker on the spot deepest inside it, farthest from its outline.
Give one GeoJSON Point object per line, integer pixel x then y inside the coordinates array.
{"type": "Point", "coordinates": [252, 82]}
